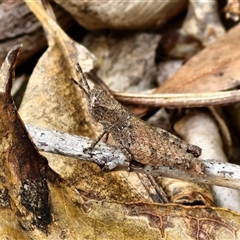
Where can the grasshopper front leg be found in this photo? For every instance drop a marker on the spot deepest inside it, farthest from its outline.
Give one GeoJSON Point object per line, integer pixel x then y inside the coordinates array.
{"type": "Point", "coordinates": [96, 141]}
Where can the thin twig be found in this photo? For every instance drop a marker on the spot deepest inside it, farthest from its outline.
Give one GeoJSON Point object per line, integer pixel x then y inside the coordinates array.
{"type": "Point", "coordinates": [186, 100]}
{"type": "Point", "coordinates": [217, 173]}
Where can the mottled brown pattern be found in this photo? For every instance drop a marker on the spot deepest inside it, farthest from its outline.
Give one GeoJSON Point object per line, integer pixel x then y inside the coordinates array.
{"type": "Point", "coordinates": [139, 140]}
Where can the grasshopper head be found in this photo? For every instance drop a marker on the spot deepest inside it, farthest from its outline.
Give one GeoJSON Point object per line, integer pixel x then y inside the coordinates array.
{"type": "Point", "coordinates": [102, 107]}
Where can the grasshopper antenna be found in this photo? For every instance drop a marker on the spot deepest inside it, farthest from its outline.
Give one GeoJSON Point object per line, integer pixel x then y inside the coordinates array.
{"type": "Point", "coordinates": [79, 85]}
{"type": "Point", "coordinates": [84, 86]}
{"type": "Point", "coordinates": [84, 80]}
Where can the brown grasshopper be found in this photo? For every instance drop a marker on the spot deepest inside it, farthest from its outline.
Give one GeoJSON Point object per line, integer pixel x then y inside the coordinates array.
{"type": "Point", "coordinates": [138, 140]}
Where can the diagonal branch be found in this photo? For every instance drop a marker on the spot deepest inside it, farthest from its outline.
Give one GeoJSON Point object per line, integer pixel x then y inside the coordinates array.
{"type": "Point", "coordinates": [111, 158]}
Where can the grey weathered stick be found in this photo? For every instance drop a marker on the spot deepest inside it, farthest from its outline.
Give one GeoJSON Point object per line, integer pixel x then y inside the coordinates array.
{"type": "Point", "coordinates": [73, 146]}
{"type": "Point", "coordinates": [216, 173]}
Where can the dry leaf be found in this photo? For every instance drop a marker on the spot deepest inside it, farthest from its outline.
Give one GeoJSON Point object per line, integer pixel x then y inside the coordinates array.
{"type": "Point", "coordinates": [51, 78]}
{"type": "Point", "coordinates": [24, 170]}
{"type": "Point", "coordinates": [215, 68]}
{"type": "Point", "coordinates": [187, 193]}
{"type": "Point", "coordinates": [122, 14]}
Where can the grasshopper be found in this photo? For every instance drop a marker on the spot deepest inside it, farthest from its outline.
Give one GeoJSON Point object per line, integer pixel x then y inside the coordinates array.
{"type": "Point", "coordinates": [138, 140]}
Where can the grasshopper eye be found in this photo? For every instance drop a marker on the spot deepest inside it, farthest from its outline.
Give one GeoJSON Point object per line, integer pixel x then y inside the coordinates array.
{"type": "Point", "coordinates": [95, 102]}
